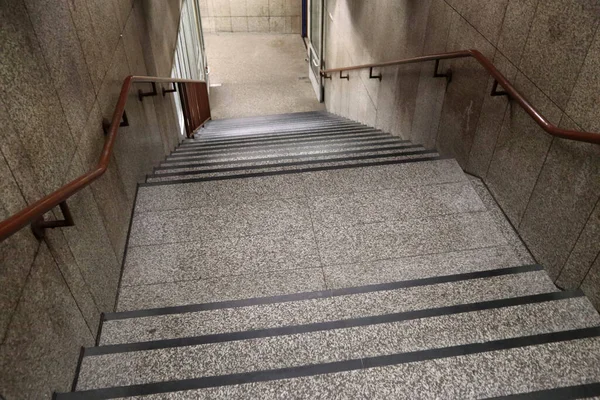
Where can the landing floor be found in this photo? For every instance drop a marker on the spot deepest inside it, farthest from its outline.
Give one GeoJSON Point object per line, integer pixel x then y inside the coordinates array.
{"type": "Point", "coordinates": [260, 74]}
{"type": "Point", "coordinates": [233, 239]}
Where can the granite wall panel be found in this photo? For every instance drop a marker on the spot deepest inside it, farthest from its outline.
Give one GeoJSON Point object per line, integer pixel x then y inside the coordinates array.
{"type": "Point", "coordinates": [549, 49]}
{"type": "Point", "coordinates": [61, 69]}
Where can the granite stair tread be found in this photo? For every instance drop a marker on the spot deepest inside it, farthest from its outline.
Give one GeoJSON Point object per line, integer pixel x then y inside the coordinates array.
{"type": "Point", "coordinates": [312, 307]}
{"type": "Point", "coordinates": [284, 137]}
{"type": "Point", "coordinates": [249, 132]}
{"type": "Point", "coordinates": [496, 369]}
{"type": "Point", "coordinates": [370, 137]}
{"type": "Point", "coordinates": [333, 150]}
{"type": "Point", "coordinates": [310, 165]}
{"type": "Point", "coordinates": [332, 341]}
{"type": "Point", "coordinates": [208, 164]}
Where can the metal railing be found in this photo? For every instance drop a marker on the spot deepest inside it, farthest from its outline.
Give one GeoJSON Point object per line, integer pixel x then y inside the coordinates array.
{"type": "Point", "coordinates": [196, 112]}
{"type": "Point", "coordinates": [499, 80]}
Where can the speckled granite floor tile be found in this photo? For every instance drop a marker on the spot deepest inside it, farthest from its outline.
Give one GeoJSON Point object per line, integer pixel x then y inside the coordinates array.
{"type": "Point", "coordinates": [474, 376]}
{"type": "Point", "coordinates": [393, 239]}
{"type": "Point", "coordinates": [452, 293]}
{"type": "Point", "coordinates": [394, 204]}
{"type": "Point", "coordinates": [293, 313]}
{"type": "Point", "coordinates": [212, 222]}
{"type": "Point", "coordinates": [334, 345]}
{"type": "Point", "coordinates": [383, 177]}
{"type": "Point", "coordinates": [213, 258]}
{"type": "Point", "coordinates": [321, 183]}
{"type": "Point", "coordinates": [219, 289]}
{"type": "Point", "coordinates": [417, 267]}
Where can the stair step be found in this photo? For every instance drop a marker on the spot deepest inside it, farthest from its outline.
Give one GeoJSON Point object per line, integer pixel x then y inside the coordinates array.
{"type": "Point", "coordinates": [287, 171]}
{"type": "Point", "coordinates": [268, 120]}
{"type": "Point", "coordinates": [209, 163]}
{"type": "Point", "coordinates": [317, 183]}
{"type": "Point", "coordinates": [293, 166]}
{"type": "Point", "coordinates": [314, 307]}
{"type": "Point", "coordinates": [281, 136]}
{"type": "Point", "coordinates": [354, 135]}
{"type": "Point", "coordinates": [314, 151]}
{"type": "Point", "coordinates": [273, 117]}
{"type": "Point", "coordinates": [369, 137]}
{"type": "Point", "coordinates": [337, 341]}
{"type": "Point", "coordinates": [244, 130]}
{"type": "Point", "coordinates": [209, 133]}
{"type": "Point", "coordinates": [497, 368]}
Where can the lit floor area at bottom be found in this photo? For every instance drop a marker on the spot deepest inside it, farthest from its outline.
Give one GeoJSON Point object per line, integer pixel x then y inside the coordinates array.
{"type": "Point", "coordinates": [258, 74]}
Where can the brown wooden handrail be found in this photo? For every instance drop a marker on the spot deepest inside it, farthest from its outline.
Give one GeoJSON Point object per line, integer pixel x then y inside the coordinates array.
{"type": "Point", "coordinates": [35, 211]}
{"type": "Point", "coordinates": [500, 79]}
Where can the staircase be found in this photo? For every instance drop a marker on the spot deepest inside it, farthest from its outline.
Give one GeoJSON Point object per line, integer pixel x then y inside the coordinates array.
{"type": "Point", "coordinates": [306, 256]}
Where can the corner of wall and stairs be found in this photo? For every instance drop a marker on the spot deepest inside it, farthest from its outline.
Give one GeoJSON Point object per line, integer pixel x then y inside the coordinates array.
{"type": "Point", "coordinates": [61, 69]}
{"type": "Point", "coordinates": [548, 187]}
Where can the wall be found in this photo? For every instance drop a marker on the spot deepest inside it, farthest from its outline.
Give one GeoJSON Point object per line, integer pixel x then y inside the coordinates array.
{"type": "Point", "coordinates": [550, 49]}
{"type": "Point", "coordinates": [275, 16]}
{"type": "Point", "coordinates": [61, 68]}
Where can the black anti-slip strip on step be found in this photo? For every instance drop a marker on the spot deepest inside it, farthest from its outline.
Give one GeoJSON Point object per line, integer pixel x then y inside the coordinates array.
{"type": "Point", "coordinates": [292, 164]}
{"type": "Point", "coordinates": [233, 123]}
{"type": "Point", "coordinates": [564, 393]}
{"type": "Point", "coordinates": [263, 128]}
{"type": "Point", "coordinates": [274, 134]}
{"type": "Point", "coordinates": [328, 368]}
{"type": "Point", "coordinates": [322, 293]}
{"type": "Point", "coordinates": [334, 139]}
{"type": "Point", "coordinates": [329, 325]}
{"type": "Point", "coordinates": [273, 118]}
{"type": "Point", "coordinates": [272, 125]}
{"type": "Point", "coordinates": [213, 126]}
{"type": "Point", "coordinates": [227, 159]}
{"type": "Point", "coordinates": [284, 140]}
{"type": "Point", "coordinates": [293, 171]}
{"type": "Point", "coordinates": [275, 138]}
{"type": "Point", "coordinates": [346, 142]}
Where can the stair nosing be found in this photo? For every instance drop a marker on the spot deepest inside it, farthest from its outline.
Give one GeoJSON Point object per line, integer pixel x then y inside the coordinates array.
{"type": "Point", "coordinates": [584, 391]}
{"type": "Point", "coordinates": [256, 130]}
{"type": "Point", "coordinates": [361, 137]}
{"type": "Point", "coordinates": [393, 145]}
{"type": "Point", "coordinates": [122, 348]}
{"type": "Point", "coordinates": [294, 171]}
{"type": "Point", "coordinates": [189, 308]}
{"type": "Point", "coordinates": [281, 137]}
{"type": "Point", "coordinates": [292, 164]}
{"type": "Point", "coordinates": [280, 158]}
{"type": "Point", "coordinates": [333, 367]}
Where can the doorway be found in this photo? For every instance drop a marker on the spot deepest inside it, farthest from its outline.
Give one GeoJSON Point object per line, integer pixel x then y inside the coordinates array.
{"type": "Point", "coordinates": [315, 46]}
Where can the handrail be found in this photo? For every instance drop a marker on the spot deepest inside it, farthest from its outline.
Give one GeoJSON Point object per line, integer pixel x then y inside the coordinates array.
{"type": "Point", "coordinates": [35, 211]}
{"type": "Point", "coordinates": [509, 89]}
